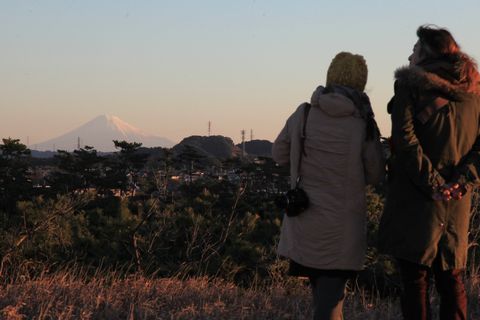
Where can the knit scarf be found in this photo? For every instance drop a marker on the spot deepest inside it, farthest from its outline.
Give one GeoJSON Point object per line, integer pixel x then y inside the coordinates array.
{"type": "Point", "coordinates": [363, 105]}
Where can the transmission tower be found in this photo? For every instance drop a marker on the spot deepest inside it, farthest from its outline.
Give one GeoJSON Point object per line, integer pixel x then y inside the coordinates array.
{"type": "Point", "coordinates": [243, 142]}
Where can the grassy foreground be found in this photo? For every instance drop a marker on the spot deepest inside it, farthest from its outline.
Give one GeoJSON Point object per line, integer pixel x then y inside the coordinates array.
{"type": "Point", "coordinates": [66, 296]}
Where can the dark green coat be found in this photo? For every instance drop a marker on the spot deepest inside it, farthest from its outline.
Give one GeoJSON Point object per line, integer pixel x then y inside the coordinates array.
{"type": "Point", "coordinates": [428, 150]}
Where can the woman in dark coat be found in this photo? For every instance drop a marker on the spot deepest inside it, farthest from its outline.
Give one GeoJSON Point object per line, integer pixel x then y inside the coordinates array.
{"type": "Point", "coordinates": [435, 164]}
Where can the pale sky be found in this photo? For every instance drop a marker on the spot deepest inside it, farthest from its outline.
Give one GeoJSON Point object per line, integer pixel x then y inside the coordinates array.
{"type": "Point", "coordinates": [169, 67]}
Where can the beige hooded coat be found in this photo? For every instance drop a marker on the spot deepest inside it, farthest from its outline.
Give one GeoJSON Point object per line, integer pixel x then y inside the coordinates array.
{"type": "Point", "coordinates": [339, 162]}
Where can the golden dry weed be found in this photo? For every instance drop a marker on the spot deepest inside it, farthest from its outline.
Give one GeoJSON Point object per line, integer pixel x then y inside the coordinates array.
{"type": "Point", "coordinates": [64, 296]}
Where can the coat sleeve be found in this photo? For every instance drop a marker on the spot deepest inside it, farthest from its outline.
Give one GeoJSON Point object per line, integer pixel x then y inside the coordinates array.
{"type": "Point", "coordinates": [468, 171]}
{"type": "Point", "coordinates": [281, 147]}
{"type": "Point", "coordinates": [406, 145]}
{"type": "Point", "coordinates": [373, 161]}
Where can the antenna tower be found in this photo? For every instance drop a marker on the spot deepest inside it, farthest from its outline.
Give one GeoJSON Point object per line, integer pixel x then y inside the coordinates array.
{"type": "Point", "coordinates": [243, 142]}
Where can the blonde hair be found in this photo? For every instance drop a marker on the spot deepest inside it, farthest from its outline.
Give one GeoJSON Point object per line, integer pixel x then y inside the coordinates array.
{"type": "Point", "coordinates": [348, 69]}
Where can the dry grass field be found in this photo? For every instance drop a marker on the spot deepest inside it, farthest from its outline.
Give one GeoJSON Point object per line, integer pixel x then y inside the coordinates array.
{"type": "Point", "coordinates": [66, 295]}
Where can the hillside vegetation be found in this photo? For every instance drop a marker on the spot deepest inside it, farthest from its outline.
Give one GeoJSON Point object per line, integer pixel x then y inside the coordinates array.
{"type": "Point", "coordinates": [130, 237]}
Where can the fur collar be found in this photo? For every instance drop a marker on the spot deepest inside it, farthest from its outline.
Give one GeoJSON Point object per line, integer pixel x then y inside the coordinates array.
{"type": "Point", "coordinates": [419, 78]}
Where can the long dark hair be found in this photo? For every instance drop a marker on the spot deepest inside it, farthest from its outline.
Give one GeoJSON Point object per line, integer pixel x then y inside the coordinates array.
{"type": "Point", "coordinates": [438, 43]}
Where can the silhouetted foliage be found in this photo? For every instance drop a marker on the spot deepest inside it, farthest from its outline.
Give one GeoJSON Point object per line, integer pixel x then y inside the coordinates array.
{"type": "Point", "coordinates": [125, 165]}
{"type": "Point", "coordinates": [223, 223]}
{"type": "Point", "coordinates": [15, 183]}
{"type": "Point", "coordinates": [190, 158]}
{"type": "Point", "coordinates": [80, 170]}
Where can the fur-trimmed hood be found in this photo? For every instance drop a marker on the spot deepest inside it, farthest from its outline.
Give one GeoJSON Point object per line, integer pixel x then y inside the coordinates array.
{"type": "Point", "coordinates": [441, 77]}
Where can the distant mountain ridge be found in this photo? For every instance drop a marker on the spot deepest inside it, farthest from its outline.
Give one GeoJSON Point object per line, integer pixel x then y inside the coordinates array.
{"type": "Point", "coordinates": [102, 130]}
{"type": "Point", "coordinates": [211, 147]}
{"type": "Point", "coordinates": [218, 147]}
{"type": "Point", "coordinates": [100, 133]}
{"type": "Point", "coordinates": [260, 148]}
{"type": "Point", "coordinates": [221, 148]}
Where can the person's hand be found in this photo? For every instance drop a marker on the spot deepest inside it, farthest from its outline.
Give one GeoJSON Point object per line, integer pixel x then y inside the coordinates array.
{"type": "Point", "coordinates": [457, 191]}
{"type": "Point", "coordinates": [442, 193]}
{"type": "Point", "coordinates": [450, 191]}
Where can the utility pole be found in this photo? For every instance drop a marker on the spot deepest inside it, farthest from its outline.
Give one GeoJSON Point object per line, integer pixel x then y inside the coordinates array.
{"type": "Point", "coordinates": [78, 143]}
{"type": "Point", "coordinates": [251, 134]}
{"type": "Point", "coordinates": [209, 128]}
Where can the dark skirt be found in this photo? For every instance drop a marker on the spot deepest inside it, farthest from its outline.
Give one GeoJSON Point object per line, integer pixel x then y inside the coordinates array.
{"type": "Point", "coordinates": [298, 270]}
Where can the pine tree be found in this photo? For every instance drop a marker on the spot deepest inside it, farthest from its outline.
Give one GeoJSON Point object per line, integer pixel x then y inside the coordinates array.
{"type": "Point", "coordinates": [80, 170]}
{"type": "Point", "coordinates": [15, 182]}
{"type": "Point", "coordinates": [127, 164]}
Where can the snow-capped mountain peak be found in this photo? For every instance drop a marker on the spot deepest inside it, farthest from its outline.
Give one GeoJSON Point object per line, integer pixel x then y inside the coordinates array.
{"type": "Point", "coordinates": [125, 128]}
{"type": "Point", "coordinates": [100, 133]}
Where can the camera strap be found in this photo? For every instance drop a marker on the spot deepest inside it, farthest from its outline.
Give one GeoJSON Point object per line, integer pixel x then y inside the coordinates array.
{"type": "Point", "coordinates": [306, 111]}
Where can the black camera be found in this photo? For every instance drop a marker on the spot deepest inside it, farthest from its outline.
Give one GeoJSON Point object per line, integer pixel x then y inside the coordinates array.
{"type": "Point", "coordinates": [294, 201]}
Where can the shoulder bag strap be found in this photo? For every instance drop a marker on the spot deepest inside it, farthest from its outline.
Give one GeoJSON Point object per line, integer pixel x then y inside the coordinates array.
{"type": "Point", "coordinates": [306, 111]}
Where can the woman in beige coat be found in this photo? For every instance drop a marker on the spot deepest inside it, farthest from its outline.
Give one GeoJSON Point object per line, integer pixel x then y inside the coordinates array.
{"type": "Point", "coordinates": [343, 153]}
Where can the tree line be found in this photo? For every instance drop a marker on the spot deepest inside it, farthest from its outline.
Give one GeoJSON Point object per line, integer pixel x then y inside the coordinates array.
{"type": "Point", "coordinates": [224, 228]}
{"type": "Point", "coordinates": [208, 226]}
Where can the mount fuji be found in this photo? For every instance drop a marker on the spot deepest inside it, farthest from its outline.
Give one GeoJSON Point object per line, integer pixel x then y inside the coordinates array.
{"type": "Point", "coordinates": [99, 134]}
